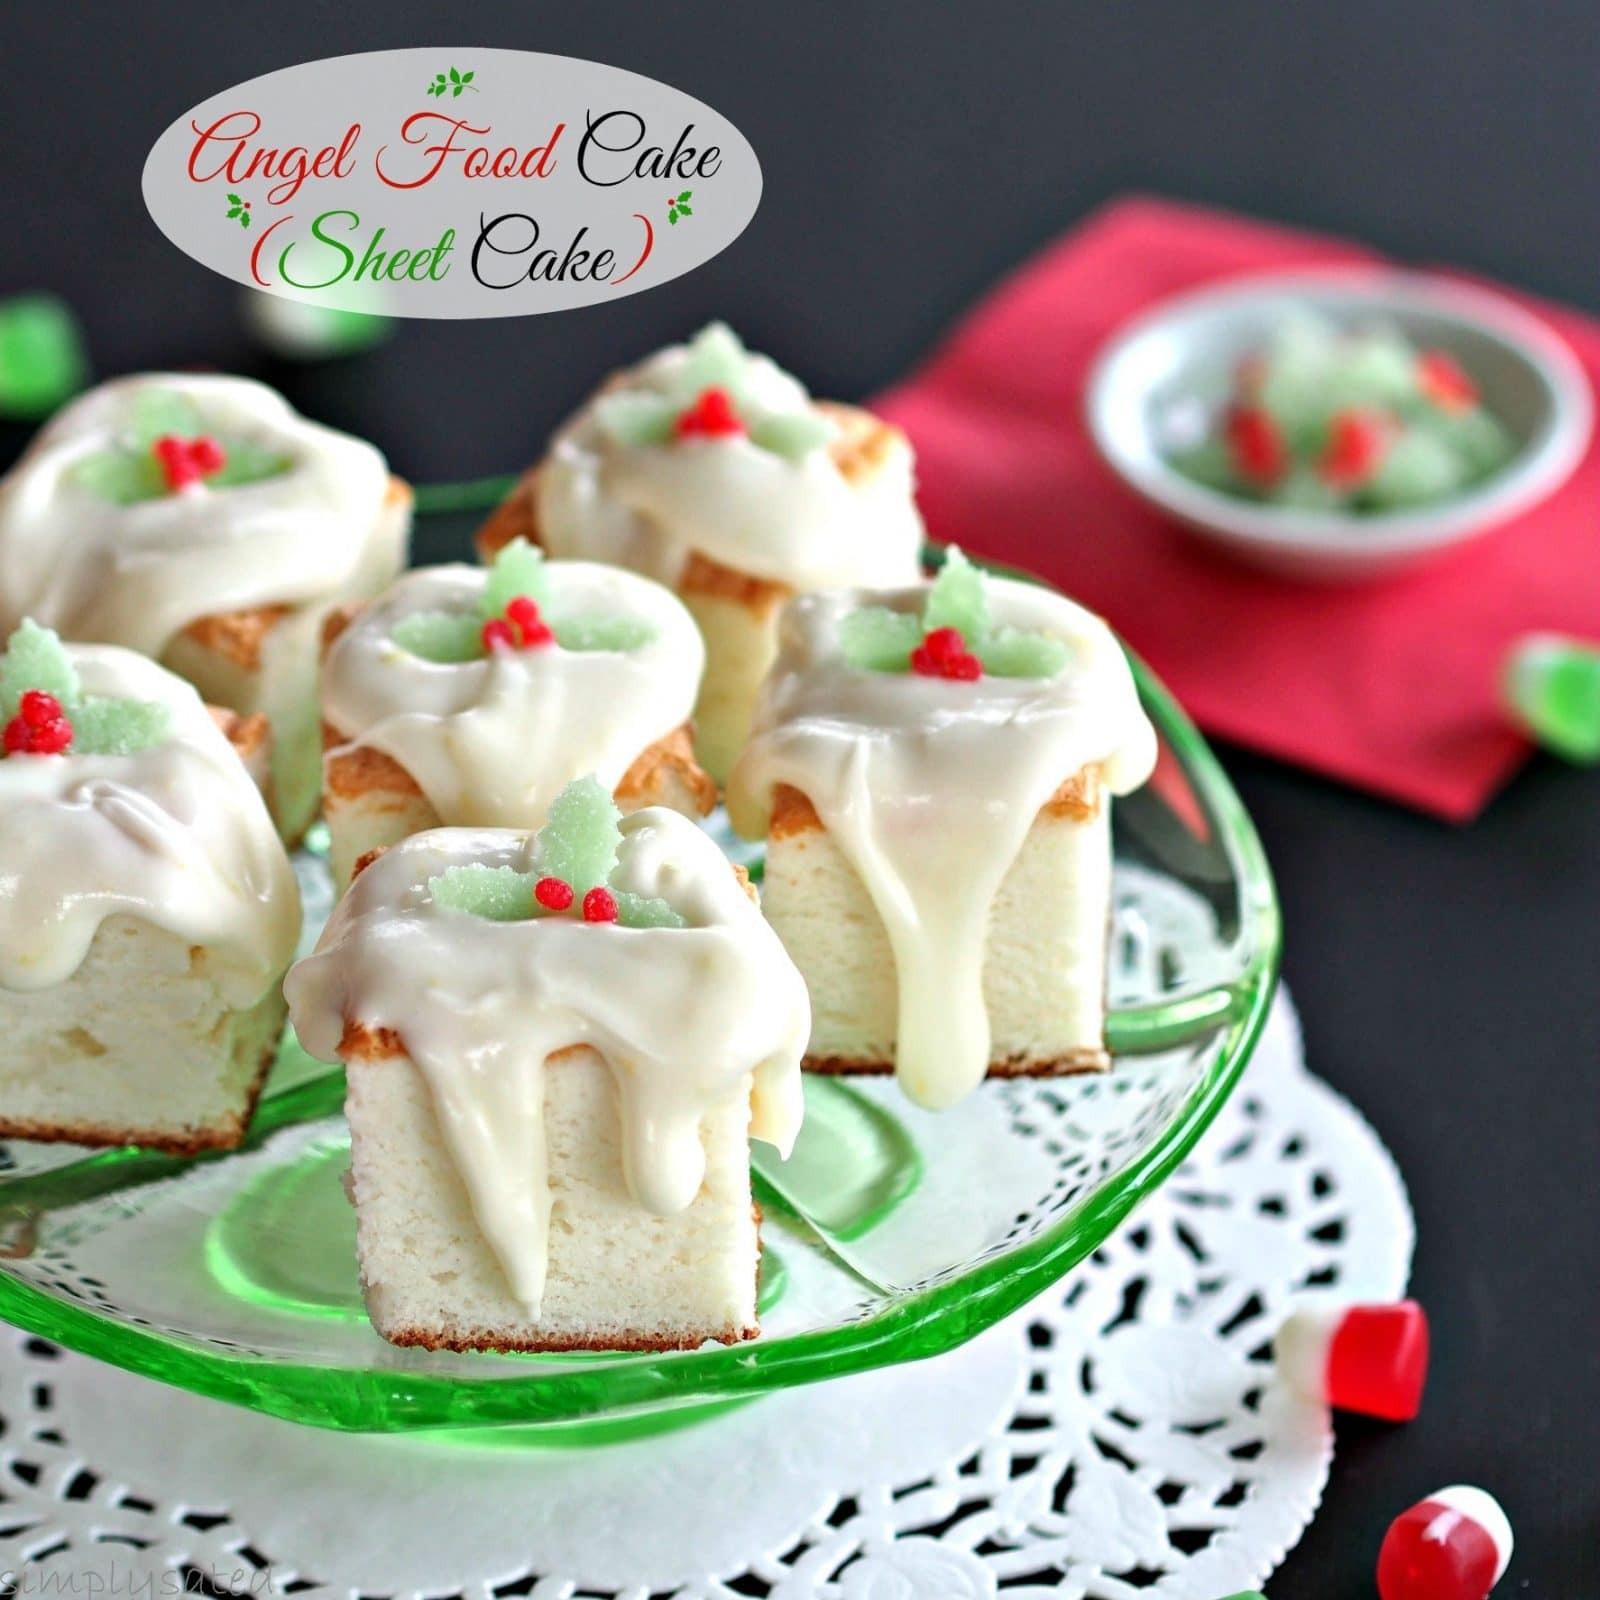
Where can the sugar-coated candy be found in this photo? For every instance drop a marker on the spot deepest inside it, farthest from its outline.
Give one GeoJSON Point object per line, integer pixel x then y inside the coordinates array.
{"type": "Point", "coordinates": [1552, 688]}
{"type": "Point", "coordinates": [1367, 1358]}
{"type": "Point", "coordinates": [1454, 1545]}
{"type": "Point", "coordinates": [42, 362]}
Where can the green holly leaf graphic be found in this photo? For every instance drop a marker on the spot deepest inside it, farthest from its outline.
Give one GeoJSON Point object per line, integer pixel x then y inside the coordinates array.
{"type": "Point", "coordinates": [234, 200]}
{"type": "Point", "coordinates": [672, 217]}
{"type": "Point", "coordinates": [244, 219]}
{"type": "Point", "coordinates": [686, 195]}
{"type": "Point", "coordinates": [683, 210]}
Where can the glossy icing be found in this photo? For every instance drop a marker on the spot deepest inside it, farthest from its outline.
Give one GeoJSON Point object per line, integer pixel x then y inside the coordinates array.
{"type": "Point", "coordinates": [929, 787]}
{"type": "Point", "coordinates": [176, 834]}
{"type": "Point", "coordinates": [683, 1018]}
{"type": "Point", "coordinates": [137, 574]}
{"type": "Point", "coordinates": [492, 742]}
{"type": "Point", "coordinates": [800, 522]}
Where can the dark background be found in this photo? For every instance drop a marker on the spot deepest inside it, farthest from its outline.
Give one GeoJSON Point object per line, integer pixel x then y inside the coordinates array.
{"type": "Point", "coordinates": [912, 153]}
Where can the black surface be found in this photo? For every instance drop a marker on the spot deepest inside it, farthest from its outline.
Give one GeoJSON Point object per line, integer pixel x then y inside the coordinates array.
{"type": "Point", "coordinates": [1447, 978]}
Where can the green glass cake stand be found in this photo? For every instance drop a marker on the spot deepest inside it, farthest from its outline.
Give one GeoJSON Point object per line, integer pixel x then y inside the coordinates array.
{"type": "Point", "coordinates": [891, 1234]}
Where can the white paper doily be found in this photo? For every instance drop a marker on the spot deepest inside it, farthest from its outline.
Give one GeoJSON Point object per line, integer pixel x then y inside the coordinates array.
{"type": "Point", "coordinates": [1122, 1437]}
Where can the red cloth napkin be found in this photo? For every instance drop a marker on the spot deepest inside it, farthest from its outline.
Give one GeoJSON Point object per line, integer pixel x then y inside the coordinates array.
{"type": "Point", "coordinates": [1391, 686]}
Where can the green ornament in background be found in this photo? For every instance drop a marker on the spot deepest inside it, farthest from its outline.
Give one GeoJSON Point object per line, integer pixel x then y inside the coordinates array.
{"type": "Point", "coordinates": [42, 360]}
{"type": "Point", "coordinates": [1552, 687]}
{"type": "Point", "coordinates": [297, 330]}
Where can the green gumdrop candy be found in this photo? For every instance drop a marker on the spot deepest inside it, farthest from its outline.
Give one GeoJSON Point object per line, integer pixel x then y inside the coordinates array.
{"type": "Point", "coordinates": [517, 570]}
{"type": "Point", "coordinates": [118, 727]}
{"type": "Point", "coordinates": [444, 637]}
{"type": "Point", "coordinates": [616, 634]}
{"type": "Point", "coordinates": [1373, 371]}
{"type": "Point", "coordinates": [716, 361]}
{"type": "Point", "coordinates": [1304, 489]}
{"type": "Point", "coordinates": [42, 362]}
{"type": "Point", "coordinates": [645, 911]}
{"type": "Point", "coordinates": [636, 419]}
{"type": "Point", "coordinates": [159, 412]}
{"type": "Point", "coordinates": [876, 639]}
{"type": "Point", "coordinates": [1011, 653]}
{"type": "Point", "coordinates": [1483, 443]}
{"type": "Point", "coordinates": [790, 434]}
{"type": "Point", "coordinates": [959, 598]}
{"type": "Point", "coordinates": [124, 477]}
{"type": "Point", "coordinates": [1552, 686]}
{"type": "Point", "coordinates": [502, 894]}
{"type": "Point", "coordinates": [1418, 468]}
{"type": "Point", "coordinates": [579, 842]}
{"type": "Point", "coordinates": [35, 659]}
{"type": "Point", "coordinates": [1207, 463]}
{"type": "Point", "coordinates": [1300, 361]}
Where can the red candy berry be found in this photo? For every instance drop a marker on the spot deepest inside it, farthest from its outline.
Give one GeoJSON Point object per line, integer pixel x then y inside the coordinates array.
{"type": "Point", "coordinates": [712, 416]}
{"type": "Point", "coordinates": [520, 628]}
{"type": "Point", "coordinates": [1455, 1545]}
{"type": "Point", "coordinates": [554, 894]}
{"type": "Point", "coordinates": [40, 727]}
{"type": "Point", "coordinates": [1442, 380]}
{"type": "Point", "coordinates": [186, 461]}
{"type": "Point", "coordinates": [600, 905]}
{"type": "Point", "coordinates": [1357, 441]}
{"type": "Point", "coordinates": [1256, 446]}
{"type": "Point", "coordinates": [943, 653]}
{"type": "Point", "coordinates": [498, 634]}
{"type": "Point", "coordinates": [1371, 1359]}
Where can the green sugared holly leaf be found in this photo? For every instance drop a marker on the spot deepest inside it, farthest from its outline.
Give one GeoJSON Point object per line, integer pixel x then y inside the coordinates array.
{"type": "Point", "coordinates": [247, 462]}
{"type": "Point", "coordinates": [715, 361]}
{"type": "Point", "coordinates": [502, 894]}
{"type": "Point", "coordinates": [876, 639]}
{"type": "Point", "coordinates": [790, 434]}
{"type": "Point", "coordinates": [636, 419]}
{"type": "Point", "coordinates": [121, 476]}
{"type": "Point", "coordinates": [117, 727]}
{"type": "Point", "coordinates": [160, 412]}
{"type": "Point", "coordinates": [1011, 653]}
{"type": "Point", "coordinates": [597, 632]}
{"type": "Point", "coordinates": [579, 842]}
{"type": "Point", "coordinates": [445, 637]}
{"type": "Point", "coordinates": [518, 570]}
{"type": "Point", "coordinates": [35, 659]}
{"type": "Point", "coordinates": [958, 598]}
{"type": "Point", "coordinates": [645, 911]}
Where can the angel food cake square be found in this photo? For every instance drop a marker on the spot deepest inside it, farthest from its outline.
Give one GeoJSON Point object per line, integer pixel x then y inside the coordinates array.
{"type": "Point", "coordinates": [471, 697]}
{"type": "Point", "coordinates": [558, 1047]}
{"type": "Point", "coordinates": [712, 470]}
{"type": "Point", "coordinates": [932, 770]}
{"type": "Point", "coordinates": [148, 908]}
{"type": "Point", "coordinates": [201, 521]}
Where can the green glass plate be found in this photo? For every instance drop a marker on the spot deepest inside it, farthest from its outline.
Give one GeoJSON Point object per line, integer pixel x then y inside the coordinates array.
{"type": "Point", "coordinates": [892, 1234]}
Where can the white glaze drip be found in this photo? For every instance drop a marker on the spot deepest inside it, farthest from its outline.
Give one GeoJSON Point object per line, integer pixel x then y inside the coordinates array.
{"type": "Point", "coordinates": [929, 788]}
{"type": "Point", "coordinates": [800, 523]}
{"type": "Point", "coordinates": [176, 835]}
{"type": "Point", "coordinates": [137, 574]}
{"type": "Point", "coordinates": [492, 742]}
{"type": "Point", "coordinates": [683, 1018]}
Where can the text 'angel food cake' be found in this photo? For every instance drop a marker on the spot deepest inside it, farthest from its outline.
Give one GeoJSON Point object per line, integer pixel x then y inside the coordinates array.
{"type": "Point", "coordinates": [202, 522]}
{"type": "Point", "coordinates": [557, 1046]}
{"type": "Point", "coordinates": [147, 907]}
{"type": "Point", "coordinates": [713, 471]}
{"type": "Point", "coordinates": [469, 697]}
{"type": "Point", "coordinates": [931, 769]}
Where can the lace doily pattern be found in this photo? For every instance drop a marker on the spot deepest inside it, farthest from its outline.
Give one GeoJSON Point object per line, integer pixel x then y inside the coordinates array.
{"type": "Point", "coordinates": [1123, 1437]}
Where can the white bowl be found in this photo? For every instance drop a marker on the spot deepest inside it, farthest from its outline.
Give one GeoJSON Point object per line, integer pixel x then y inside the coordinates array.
{"type": "Point", "coordinates": [1184, 351]}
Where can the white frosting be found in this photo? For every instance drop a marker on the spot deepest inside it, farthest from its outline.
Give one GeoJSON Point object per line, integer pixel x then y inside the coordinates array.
{"type": "Point", "coordinates": [176, 835]}
{"type": "Point", "coordinates": [800, 523]}
{"type": "Point", "coordinates": [929, 788]}
{"type": "Point", "coordinates": [684, 1018]}
{"type": "Point", "coordinates": [492, 742]}
{"type": "Point", "coordinates": [137, 574]}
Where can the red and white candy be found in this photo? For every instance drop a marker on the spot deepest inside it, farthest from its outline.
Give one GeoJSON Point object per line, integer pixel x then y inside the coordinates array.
{"type": "Point", "coordinates": [1371, 1359]}
{"type": "Point", "coordinates": [1455, 1545]}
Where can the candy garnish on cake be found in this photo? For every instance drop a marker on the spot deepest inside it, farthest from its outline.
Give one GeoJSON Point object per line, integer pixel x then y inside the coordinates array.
{"type": "Point", "coordinates": [459, 942]}
{"type": "Point", "coordinates": [515, 612]}
{"type": "Point", "coordinates": [928, 782]}
{"type": "Point", "coordinates": [45, 711]}
{"type": "Point", "coordinates": [169, 447]}
{"type": "Point", "coordinates": [709, 396]}
{"type": "Point", "coordinates": [493, 688]}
